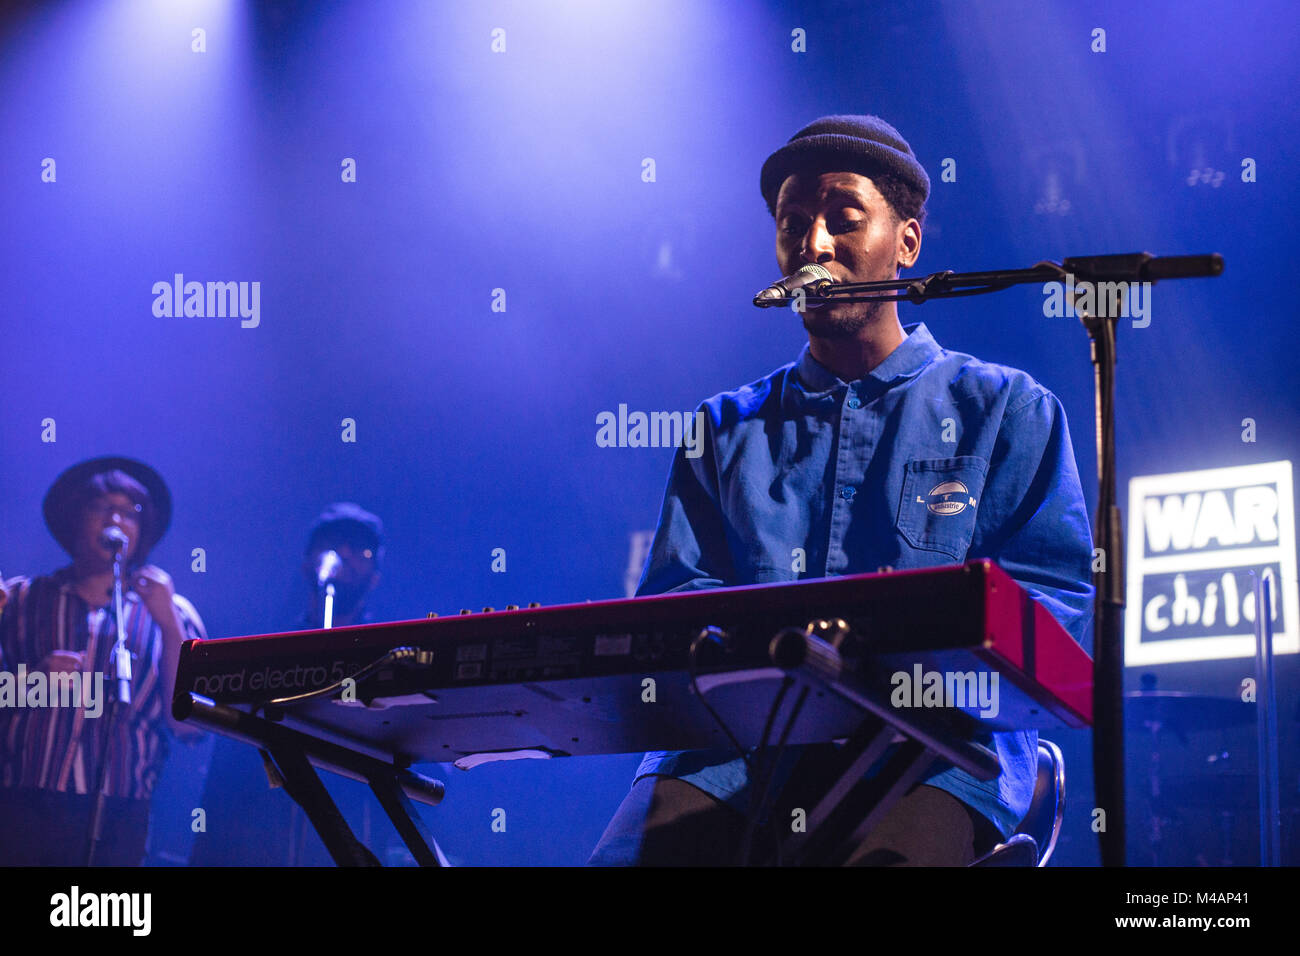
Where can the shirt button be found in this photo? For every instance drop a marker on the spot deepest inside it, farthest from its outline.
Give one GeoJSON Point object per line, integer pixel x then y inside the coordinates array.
{"type": "Point", "coordinates": [855, 402]}
{"type": "Point", "coordinates": [848, 492]}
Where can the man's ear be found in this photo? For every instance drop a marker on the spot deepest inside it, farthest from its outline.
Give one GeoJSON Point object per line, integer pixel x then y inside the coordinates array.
{"type": "Point", "coordinates": [908, 240]}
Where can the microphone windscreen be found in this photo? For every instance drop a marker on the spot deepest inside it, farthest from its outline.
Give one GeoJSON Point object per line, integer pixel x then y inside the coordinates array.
{"type": "Point", "coordinates": [328, 566]}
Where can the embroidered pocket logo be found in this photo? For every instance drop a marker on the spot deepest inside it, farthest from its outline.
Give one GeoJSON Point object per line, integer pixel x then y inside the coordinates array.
{"type": "Point", "coordinates": [947, 498]}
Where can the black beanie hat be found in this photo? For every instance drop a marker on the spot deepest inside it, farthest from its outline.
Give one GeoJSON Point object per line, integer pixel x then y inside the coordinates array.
{"type": "Point", "coordinates": [856, 144]}
{"type": "Point", "coordinates": [346, 515]}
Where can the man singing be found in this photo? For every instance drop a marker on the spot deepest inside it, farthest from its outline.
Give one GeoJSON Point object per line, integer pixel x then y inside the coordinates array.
{"type": "Point", "coordinates": [51, 754]}
{"type": "Point", "coordinates": [249, 824]}
{"type": "Point", "coordinates": [832, 458]}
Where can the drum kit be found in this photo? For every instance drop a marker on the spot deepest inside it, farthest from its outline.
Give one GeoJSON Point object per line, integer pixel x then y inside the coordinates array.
{"type": "Point", "coordinates": [1191, 781]}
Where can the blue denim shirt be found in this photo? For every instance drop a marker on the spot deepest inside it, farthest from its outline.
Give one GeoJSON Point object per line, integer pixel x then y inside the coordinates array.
{"type": "Point", "coordinates": [802, 460]}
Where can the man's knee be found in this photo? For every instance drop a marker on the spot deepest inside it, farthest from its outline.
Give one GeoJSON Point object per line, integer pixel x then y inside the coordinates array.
{"type": "Point", "coordinates": [664, 821]}
{"type": "Point", "coordinates": [927, 827]}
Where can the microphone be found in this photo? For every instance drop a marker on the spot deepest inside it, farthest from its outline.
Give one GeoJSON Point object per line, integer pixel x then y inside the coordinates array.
{"type": "Point", "coordinates": [777, 291]}
{"type": "Point", "coordinates": [328, 566]}
{"type": "Point", "coordinates": [115, 540]}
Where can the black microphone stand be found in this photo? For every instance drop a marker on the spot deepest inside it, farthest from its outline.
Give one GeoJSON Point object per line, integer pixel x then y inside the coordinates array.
{"type": "Point", "coordinates": [297, 832]}
{"type": "Point", "coordinates": [1108, 574]}
{"type": "Point", "coordinates": [121, 697]}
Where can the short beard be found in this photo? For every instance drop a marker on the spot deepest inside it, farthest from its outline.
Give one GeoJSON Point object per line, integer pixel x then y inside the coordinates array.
{"type": "Point", "coordinates": [850, 320]}
{"type": "Point", "coordinates": [348, 596]}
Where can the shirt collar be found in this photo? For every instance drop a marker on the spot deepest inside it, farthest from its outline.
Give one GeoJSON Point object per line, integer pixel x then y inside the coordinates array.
{"type": "Point", "coordinates": [67, 583]}
{"type": "Point", "coordinates": [913, 354]}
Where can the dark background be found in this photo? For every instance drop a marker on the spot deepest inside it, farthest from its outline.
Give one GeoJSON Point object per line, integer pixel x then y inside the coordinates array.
{"type": "Point", "coordinates": [522, 171]}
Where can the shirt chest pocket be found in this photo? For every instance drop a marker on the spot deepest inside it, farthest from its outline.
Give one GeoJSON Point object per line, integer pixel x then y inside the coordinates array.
{"type": "Point", "coordinates": [936, 509]}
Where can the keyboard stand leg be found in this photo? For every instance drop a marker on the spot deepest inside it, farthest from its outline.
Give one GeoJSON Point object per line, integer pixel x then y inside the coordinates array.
{"type": "Point", "coordinates": [303, 784]}
{"type": "Point", "coordinates": [850, 801]}
{"type": "Point", "coordinates": [289, 750]}
{"type": "Point", "coordinates": [848, 809]}
{"type": "Point", "coordinates": [898, 776]}
{"type": "Point", "coordinates": [401, 810]}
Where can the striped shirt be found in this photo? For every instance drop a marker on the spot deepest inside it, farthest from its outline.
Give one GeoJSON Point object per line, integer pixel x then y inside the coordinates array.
{"type": "Point", "coordinates": [59, 747]}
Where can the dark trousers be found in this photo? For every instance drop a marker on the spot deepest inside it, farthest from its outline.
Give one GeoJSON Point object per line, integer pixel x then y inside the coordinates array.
{"type": "Point", "coordinates": [667, 822]}
{"type": "Point", "coordinates": [46, 828]}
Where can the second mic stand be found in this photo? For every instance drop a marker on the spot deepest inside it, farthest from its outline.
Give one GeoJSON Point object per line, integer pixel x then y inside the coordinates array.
{"type": "Point", "coordinates": [121, 697]}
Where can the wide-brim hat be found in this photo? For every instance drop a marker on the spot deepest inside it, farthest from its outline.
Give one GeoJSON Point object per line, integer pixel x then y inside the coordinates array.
{"type": "Point", "coordinates": [62, 518]}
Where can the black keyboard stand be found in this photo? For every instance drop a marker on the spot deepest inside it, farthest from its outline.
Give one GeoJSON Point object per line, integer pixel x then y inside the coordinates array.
{"type": "Point", "coordinates": [295, 755]}
{"type": "Point", "coordinates": [846, 810]}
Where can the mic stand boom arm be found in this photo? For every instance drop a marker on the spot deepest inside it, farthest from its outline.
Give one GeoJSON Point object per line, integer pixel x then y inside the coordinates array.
{"type": "Point", "coordinates": [1127, 267]}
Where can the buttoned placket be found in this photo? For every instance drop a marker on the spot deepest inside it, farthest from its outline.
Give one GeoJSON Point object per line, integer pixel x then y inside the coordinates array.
{"type": "Point", "coordinates": [857, 435]}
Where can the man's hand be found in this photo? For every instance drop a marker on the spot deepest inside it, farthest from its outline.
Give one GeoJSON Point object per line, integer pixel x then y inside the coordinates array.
{"type": "Point", "coordinates": [63, 662]}
{"type": "Point", "coordinates": [154, 585]}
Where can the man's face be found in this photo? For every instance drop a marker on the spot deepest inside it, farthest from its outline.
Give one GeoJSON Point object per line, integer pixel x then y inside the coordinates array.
{"type": "Point", "coordinates": [113, 510]}
{"type": "Point", "coordinates": [357, 575]}
{"type": "Point", "coordinates": [842, 222]}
